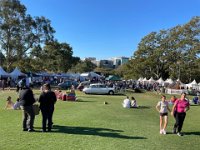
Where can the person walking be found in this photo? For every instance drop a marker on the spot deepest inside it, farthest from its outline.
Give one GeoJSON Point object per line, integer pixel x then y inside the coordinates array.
{"type": "Point", "coordinates": [163, 107]}
{"type": "Point", "coordinates": [47, 100]}
{"type": "Point", "coordinates": [181, 106]}
{"type": "Point", "coordinates": [27, 100]}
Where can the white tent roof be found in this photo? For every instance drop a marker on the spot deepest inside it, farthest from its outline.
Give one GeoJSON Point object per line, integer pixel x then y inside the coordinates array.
{"type": "Point", "coordinates": [90, 74]}
{"type": "Point", "coordinates": [160, 81]}
{"type": "Point", "coordinates": [151, 80]}
{"type": "Point", "coordinates": [140, 79]}
{"type": "Point", "coordinates": [170, 81]}
{"type": "Point", "coordinates": [193, 82]}
{"type": "Point", "coordinates": [16, 73]}
{"type": "Point", "coordinates": [145, 79]}
{"type": "Point", "coordinates": [2, 72]}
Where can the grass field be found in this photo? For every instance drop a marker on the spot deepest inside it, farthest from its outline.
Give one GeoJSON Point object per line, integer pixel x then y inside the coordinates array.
{"type": "Point", "coordinates": [91, 125]}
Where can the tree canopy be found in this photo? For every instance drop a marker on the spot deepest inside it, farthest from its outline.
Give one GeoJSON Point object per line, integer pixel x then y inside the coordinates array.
{"type": "Point", "coordinates": [168, 53]}
{"type": "Point", "coordinates": [27, 41]}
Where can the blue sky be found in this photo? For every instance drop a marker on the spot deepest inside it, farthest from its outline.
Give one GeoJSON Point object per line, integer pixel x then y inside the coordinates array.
{"type": "Point", "coordinates": [109, 28]}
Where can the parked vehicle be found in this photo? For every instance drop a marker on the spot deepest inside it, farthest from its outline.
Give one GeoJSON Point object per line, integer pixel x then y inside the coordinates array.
{"type": "Point", "coordinates": [67, 84]}
{"type": "Point", "coordinates": [83, 84]}
{"type": "Point", "coordinates": [98, 89]}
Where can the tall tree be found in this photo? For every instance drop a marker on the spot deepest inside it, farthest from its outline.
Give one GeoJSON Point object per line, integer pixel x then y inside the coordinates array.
{"type": "Point", "coordinates": [168, 53]}
{"type": "Point", "coordinates": [19, 32]}
{"type": "Point", "coordinates": [58, 57]}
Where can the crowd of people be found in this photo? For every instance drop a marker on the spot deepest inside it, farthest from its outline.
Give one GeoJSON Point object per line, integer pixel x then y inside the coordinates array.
{"type": "Point", "coordinates": [48, 98]}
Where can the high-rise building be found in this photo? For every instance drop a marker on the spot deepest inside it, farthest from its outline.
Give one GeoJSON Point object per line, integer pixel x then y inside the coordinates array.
{"type": "Point", "coordinates": [118, 61]}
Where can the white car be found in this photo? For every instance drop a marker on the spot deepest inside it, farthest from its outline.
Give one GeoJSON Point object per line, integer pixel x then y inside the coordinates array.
{"type": "Point", "coordinates": [98, 89]}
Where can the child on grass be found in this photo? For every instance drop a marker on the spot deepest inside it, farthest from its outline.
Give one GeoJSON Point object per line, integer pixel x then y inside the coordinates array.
{"type": "Point", "coordinates": [9, 103]}
{"type": "Point", "coordinates": [163, 107]}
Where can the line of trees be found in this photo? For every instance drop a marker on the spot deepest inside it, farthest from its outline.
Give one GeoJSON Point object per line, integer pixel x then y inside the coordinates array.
{"type": "Point", "coordinates": [172, 53]}
{"type": "Point", "coordinates": [28, 42]}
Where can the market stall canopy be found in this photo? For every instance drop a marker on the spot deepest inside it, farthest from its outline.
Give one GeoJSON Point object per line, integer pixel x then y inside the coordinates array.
{"type": "Point", "coordinates": [144, 80]}
{"type": "Point", "coordinates": [160, 81]}
{"type": "Point", "coordinates": [90, 75]}
{"type": "Point", "coordinates": [170, 81]}
{"type": "Point", "coordinates": [17, 73]}
{"type": "Point", "coordinates": [140, 79]}
{"type": "Point", "coordinates": [151, 80]}
{"type": "Point", "coordinates": [113, 78]}
{"type": "Point", "coordinates": [3, 73]}
{"type": "Point", "coordinates": [193, 82]}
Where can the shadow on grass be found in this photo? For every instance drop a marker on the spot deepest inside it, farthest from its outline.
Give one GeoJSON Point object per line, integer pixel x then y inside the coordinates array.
{"type": "Point", "coordinates": [192, 133]}
{"type": "Point", "coordinates": [103, 132]}
{"type": "Point", "coordinates": [194, 105]}
{"type": "Point", "coordinates": [144, 107]}
{"type": "Point", "coordinates": [81, 100]}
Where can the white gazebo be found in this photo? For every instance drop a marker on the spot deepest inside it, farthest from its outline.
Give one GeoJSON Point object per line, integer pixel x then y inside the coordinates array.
{"type": "Point", "coordinates": [140, 79]}
{"type": "Point", "coordinates": [151, 80]}
{"type": "Point", "coordinates": [169, 81]}
{"type": "Point", "coordinates": [193, 84]}
{"type": "Point", "coordinates": [160, 81]}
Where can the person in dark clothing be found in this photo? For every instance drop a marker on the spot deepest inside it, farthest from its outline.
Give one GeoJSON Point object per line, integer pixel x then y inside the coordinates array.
{"type": "Point", "coordinates": [47, 100]}
{"type": "Point", "coordinates": [27, 100]}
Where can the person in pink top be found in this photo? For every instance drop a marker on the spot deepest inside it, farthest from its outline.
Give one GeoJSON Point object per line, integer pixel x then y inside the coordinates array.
{"type": "Point", "coordinates": [181, 106]}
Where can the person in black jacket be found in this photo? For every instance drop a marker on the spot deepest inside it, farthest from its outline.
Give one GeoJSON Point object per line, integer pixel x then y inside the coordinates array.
{"type": "Point", "coordinates": [27, 100]}
{"type": "Point", "coordinates": [47, 100]}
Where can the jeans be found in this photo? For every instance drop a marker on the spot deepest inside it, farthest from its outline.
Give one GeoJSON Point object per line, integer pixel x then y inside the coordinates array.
{"type": "Point", "coordinates": [28, 117]}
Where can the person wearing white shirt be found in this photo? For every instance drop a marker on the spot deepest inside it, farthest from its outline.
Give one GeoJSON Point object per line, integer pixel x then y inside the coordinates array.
{"type": "Point", "coordinates": [126, 103]}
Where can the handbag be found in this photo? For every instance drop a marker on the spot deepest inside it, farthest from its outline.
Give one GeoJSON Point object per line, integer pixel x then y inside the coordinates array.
{"type": "Point", "coordinates": [36, 109]}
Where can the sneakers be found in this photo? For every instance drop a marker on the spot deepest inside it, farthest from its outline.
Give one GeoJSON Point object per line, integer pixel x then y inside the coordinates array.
{"type": "Point", "coordinates": [179, 134]}
{"type": "Point", "coordinates": [31, 130]}
{"type": "Point", "coordinates": [162, 131]}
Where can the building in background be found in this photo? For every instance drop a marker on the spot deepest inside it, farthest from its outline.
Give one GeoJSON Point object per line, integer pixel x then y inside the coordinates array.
{"type": "Point", "coordinates": [106, 64]}
{"type": "Point", "coordinates": [109, 63]}
{"type": "Point", "coordinates": [118, 61]}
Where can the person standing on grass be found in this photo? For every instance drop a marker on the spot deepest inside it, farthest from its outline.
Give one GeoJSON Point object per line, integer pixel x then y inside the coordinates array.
{"type": "Point", "coordinates": [47, 100]}
{"type": "Point", "coordinates": [181, 106]}
{"type": "Point", "coordinates": [163, 107]}
{"type": "Point", "coordinates": [27, 100]}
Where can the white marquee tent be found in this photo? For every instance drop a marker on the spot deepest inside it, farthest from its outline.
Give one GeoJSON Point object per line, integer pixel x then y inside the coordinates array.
{"type": "Point", "coordinates": [169, 81]}
{"type": "Point", "coordinates": [151, 80]}
{"type": "Point", "coordinates": [160, 81]}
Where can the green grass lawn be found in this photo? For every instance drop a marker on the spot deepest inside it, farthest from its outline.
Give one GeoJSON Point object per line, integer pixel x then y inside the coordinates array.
{"type": "Point", "coordinates": [91, 125]}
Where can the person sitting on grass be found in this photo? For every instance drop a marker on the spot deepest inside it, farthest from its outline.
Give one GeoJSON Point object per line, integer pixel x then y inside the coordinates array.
{"type": "Point", "coordinates": [126, 103]}
{"type": "Point", "coordinates": [162, 107]}
{"type": "Point", "coordinates": [133, 103]}
{"type": "Point", "coordinates": [9, 103]}
{"type": "Point", "coordinates": [196, 100]}
{"type": "Point", "coordinates": [17, 104]}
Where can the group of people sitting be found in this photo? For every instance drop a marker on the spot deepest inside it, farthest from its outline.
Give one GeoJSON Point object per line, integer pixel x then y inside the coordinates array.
{"type": "Point", "coordinates": [68, 96]}
{"type": "Point", "coordinates": [127, 103]}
